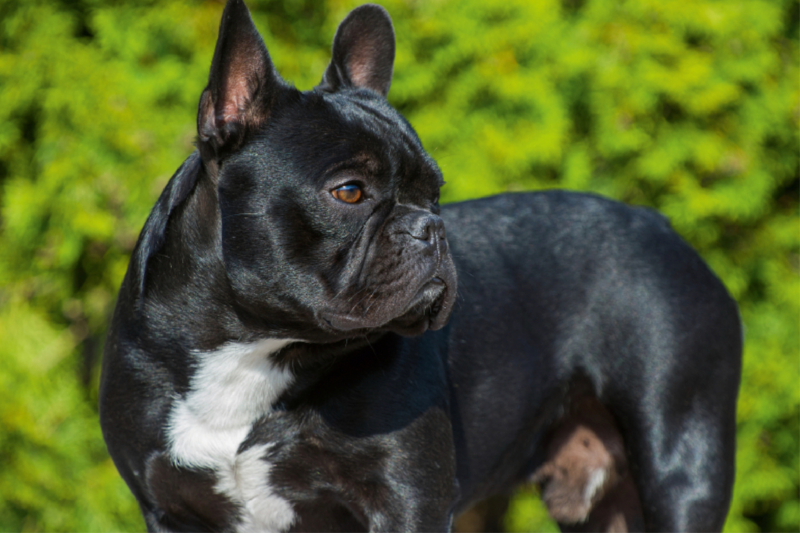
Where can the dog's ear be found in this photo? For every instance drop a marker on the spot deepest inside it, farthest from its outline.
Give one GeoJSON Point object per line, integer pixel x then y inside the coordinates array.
{"type": "Point", "coordinates": [363, 52]}
{"type": "Point", "coordinates": [154, 233]}
{"type": "Point", "coordinates": [242, 86]}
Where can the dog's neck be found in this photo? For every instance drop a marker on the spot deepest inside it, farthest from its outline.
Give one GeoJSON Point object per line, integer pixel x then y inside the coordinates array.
{"type": "Point", "coordinates": [187, 272]}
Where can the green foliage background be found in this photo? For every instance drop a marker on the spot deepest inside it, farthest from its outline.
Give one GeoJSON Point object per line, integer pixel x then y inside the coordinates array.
{"type": "Point", "coordinates": [689, 106]}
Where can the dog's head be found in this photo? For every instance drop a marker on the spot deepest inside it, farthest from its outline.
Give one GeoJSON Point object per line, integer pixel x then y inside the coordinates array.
{"type": "Point", "coordinates": [328, 202]}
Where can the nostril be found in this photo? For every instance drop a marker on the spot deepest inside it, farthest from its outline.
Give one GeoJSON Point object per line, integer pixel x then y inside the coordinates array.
{"type": "Point", "coordinates": [426, 228]}
{"type": "Point", "coordinates": [440, 231]}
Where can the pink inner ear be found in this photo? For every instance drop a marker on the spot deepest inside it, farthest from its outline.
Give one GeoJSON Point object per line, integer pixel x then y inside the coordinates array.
{"type": "Point", "coordinates": [237, 97]}
{"type": "Point", "coordinates": [360, 67]}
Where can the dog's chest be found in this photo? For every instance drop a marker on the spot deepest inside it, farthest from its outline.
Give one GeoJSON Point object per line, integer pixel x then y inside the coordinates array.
{"type": "Point", "coordinates": [232, 388]}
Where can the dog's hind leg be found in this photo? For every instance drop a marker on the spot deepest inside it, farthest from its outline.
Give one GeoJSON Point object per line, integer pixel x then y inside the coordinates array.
{"type": "Point", "coordinates": [678, 418]}
{"type": "Point", "coordinates": [681, 455]}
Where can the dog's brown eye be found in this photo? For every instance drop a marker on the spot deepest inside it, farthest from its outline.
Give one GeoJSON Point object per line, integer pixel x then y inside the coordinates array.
{"type": "Point", "coordinates": [347, 193]}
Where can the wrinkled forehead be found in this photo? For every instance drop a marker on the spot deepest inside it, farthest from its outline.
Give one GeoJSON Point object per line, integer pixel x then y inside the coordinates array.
{"type": "Point", "coordinates": [324, 133]}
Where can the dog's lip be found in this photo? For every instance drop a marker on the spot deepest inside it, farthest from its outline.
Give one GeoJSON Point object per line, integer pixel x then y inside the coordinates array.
{"type": "Point", "coordinates": [425, 319]}
{"type": "Point", "coordinates": [433, 291]}
{"type": "Point", "coordinates": [343, 323]}
{"type": "Point", "coordinates": [434, 321]}
{"type": "Point", "coordinates": [346, 323]}
{"type": "Point", "coordinates": [436, 306]}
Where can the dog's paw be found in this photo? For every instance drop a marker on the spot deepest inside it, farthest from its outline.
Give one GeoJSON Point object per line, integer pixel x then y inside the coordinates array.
{"type": "Point", "coordinates": [579, 471]}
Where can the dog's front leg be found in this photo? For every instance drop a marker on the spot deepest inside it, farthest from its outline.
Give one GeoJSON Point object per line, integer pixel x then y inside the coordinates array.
{"type": "Point", "coordinates": [422, 503]}
{"type": "Point", "coordinates": [420, 477]}
{"type": "Point", "coordinates": [413, 514]}
{"type": "Point", "coordinates": [412, 524]}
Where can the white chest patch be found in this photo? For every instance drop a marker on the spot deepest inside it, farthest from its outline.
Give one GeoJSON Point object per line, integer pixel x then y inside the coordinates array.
{"type": "Point", "coordinates": [232, 388]}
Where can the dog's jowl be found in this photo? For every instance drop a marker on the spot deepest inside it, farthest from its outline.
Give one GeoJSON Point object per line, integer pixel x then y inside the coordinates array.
{"type": "Point", "coordinates": [292, 348]}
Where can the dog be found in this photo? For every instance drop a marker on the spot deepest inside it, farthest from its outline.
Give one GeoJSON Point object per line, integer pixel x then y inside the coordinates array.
{"type": "Point", "coordinates": [305, 340]}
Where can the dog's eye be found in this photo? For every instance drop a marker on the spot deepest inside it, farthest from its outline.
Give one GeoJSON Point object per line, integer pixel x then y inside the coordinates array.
{"type": "Point", "coordinates": [347, 193]}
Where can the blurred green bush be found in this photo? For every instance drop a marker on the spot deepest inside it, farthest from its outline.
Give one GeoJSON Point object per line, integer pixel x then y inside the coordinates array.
{"type": "Point", "coordinates": [688, 106]}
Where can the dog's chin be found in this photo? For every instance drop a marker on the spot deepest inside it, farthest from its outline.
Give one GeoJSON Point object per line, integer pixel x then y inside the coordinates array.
{"type": "Point", "coordinates": [430, 308]}
{"type": "Point", "coordinates": [425, 311]}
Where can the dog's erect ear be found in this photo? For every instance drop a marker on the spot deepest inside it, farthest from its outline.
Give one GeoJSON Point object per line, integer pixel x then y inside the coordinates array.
{"type": "Point", "coordinates": [363, 52]}
{"type": "Point", "coordinates": [242, 85]}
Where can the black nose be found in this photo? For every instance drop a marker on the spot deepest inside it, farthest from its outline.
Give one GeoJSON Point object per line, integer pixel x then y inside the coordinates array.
{"type": "Point", "coordinates": [428, 228]}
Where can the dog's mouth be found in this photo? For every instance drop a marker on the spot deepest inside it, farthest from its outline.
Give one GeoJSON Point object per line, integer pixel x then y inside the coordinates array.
{"type": "Point", "coordinates": [429, 309]}
{"type": "Point", "coordinates": [397, 309]}
{"type": "Point", "coordinates": [424, 311]}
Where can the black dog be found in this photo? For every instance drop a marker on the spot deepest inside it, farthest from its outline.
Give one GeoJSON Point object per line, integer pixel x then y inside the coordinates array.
{"type": "Point", "coordinates": [281, 357]}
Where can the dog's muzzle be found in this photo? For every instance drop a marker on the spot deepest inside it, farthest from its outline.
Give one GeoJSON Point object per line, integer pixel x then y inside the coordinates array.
{"type": "Point", "coordinates": [430, 306]}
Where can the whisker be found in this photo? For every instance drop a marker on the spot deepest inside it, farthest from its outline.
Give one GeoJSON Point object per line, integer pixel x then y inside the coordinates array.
{"type": "Point", "coordinates": [373, 302]}
{"type": "Point", "coordinates": [361, 300]}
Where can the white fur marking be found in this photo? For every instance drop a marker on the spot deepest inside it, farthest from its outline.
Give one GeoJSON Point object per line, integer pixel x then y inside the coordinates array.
{"type": "Point", "coordinates": [595, 483]}
{"type": "Point", "coordinates": [233, 387]}
{"type": "Point", "coordinates": [247, 483]}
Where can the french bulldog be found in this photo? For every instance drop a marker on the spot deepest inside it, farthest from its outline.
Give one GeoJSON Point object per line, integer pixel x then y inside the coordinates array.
{"type": "Point", "coordinates": [306, 341]}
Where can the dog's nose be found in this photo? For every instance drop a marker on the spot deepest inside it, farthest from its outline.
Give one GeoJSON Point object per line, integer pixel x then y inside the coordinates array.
{"type": "Point", "coordinates": [429, 228]}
